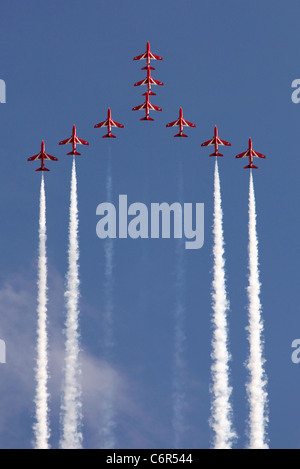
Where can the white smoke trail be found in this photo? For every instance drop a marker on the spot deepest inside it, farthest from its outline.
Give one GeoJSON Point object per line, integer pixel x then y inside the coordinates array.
{"type": "Point", "coordinates": [71, 402]}
{"type": "Point", "coordinates": [179, 363]}
{"type": "Point", "coordinates": [256, 387]}
{"type": "Point", "coordinates": [41, 426]}
{"type": "Point", "coordinates": [108, 415]}
{"type": "Point", "coordinates": [221, 420]}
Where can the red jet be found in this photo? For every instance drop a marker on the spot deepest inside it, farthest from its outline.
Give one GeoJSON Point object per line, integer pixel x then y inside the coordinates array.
{"type": "Point", "coordinates": [250, 153]}
{"type": "Point", "coordinates": [74, 140]}
{"type": "Point", "coordinates": [109, 123]}
{"type": "Point", "coordinates": [181, 122]}
{"type": "Point", "coordinates": [42, 156]}
{"type": "Point", "coordinates": [147, 106]}
{"type": "Point", "coordinates": [148, 56]}
{"type": "Point", "coordinates": [149, 81]}
{"type": "Point", "coordinates": [216, 141]}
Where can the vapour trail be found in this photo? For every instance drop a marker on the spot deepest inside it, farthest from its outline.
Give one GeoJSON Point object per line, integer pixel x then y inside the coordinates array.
{"type": "Point", "coordinates": [71, 408]}
{"type": "Point", "coordinates": [41, 426]}
{"type": "Point", "coordinates": [221, 417]}
{"type": "Point", "coordinates": [256, 387]}
{"type": "Point", "coordinates": [107, 431]}
{"type": "Point", "coordinates": [179, 362]}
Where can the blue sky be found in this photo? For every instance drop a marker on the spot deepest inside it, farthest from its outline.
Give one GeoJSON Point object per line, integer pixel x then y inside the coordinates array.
{"type": "Point", "coordinates": [226, 63]}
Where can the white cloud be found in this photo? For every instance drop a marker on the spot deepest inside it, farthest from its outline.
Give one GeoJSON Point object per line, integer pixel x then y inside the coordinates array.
{"type": "Point", "coordinates": [134, 424]}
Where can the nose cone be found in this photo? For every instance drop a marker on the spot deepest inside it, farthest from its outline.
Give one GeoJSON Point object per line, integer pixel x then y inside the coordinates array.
{"type": "Point", "coordinates": [148, 46]}
{"type": "Point", "coordinates": [250, 142]}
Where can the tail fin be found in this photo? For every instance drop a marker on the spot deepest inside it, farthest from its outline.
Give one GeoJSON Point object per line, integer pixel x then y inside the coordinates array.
{"type": "Point", "coordinates": [43, 169]}
{"type": "Point", "coordinates": [147, 119]}
{"type": "Point", "coordinates": [109, 136]}
{"type": "Point", "coordinates": [145, 68]}
{"type": "Point", "coordinates": [74, 153]}
{"type": "Point", "coordinates": [181, 135]}
{"type": "Point", "coordinates": [150, 93]}
{"type": "Point", "coordinates": [250, 166]}
{"type": "Point", "coordinates": [216, 153]}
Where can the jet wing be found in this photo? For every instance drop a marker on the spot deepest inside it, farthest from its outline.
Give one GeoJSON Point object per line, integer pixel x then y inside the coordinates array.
{"type": "Point", "coordinates": [209, 142]}
{"type": "Point", "coordinates": [101, 124]}
{"type": "Point", "coordinates": [140, 108]}
{"type": "Point", "coordinates": [141, 57]}
{"type": "Point", "coordinates": [155, 57]}
{"type": "Point", "coordinates": [149, 80]}
{"type": "Point", "coordinates": [258, 155]}
{"type": "Point", "coordinates": [49, 157]}
{"type": "Point", "coordinates": [116, 124]}
{"type": "Point", "coordinates": [154, 108]}
{"type": "Point", "coordinates": [144, 106]}
{"type": "Point", "coordinates": [64, 142]}
{"type": "Point", "coordinates": [223, 142]}
{"type": "Point", "coordinates": [35, 157]}
{"type": "Point", "coordinates": [187, 123]}
{"type": "Point", "coordinates": [243, 155]}
{"type": "Point", "coordinates": [145, 55]}
{"type": "Point", "coordinates": [156, 82]}
{"type": "Point", "coordinates": [142, 82]}
{"type": "Point", "coordinates": [81, 142]}
{"type": "Point", "coordinates": [173, 124]}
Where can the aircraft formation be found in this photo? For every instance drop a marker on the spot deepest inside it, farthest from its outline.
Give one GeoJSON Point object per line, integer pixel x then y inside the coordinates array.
{"type": "Point", "coordinates": [149, 81]}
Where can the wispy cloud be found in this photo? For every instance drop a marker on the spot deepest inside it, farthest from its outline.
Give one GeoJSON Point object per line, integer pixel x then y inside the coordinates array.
{"type": "Point", "coordinates": [135, 425]}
